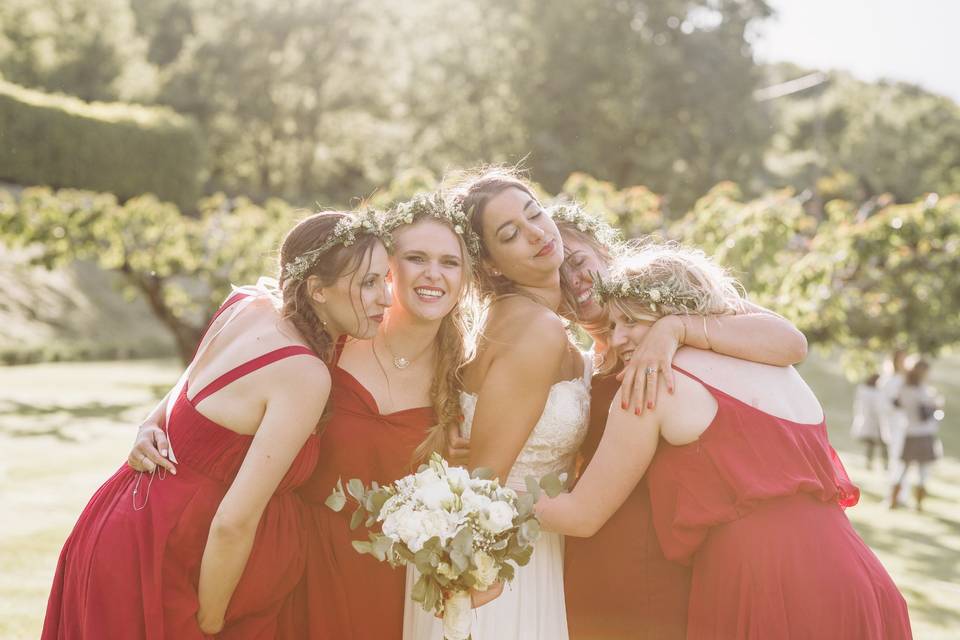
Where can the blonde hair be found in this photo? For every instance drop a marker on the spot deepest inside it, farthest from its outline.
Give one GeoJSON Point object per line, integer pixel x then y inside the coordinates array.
{"type": "Point", "coordinates": [451, 355]}
{"type": "Point", "coordinates": [688, 275]}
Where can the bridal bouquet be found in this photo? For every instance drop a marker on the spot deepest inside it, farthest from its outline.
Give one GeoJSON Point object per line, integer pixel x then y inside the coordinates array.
{"type": "Point", "coordinates": [461, 531]}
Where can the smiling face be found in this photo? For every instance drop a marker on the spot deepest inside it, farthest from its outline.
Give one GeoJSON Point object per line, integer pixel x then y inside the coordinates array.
{"type": "Point", "coordinates": [522, 242]}
{"type": "Point", "coordinates": [581, 264]}
{"type": "Point", "coordinates": [427, 269]}
{"type": "Point", "coordinates": [627, 330]}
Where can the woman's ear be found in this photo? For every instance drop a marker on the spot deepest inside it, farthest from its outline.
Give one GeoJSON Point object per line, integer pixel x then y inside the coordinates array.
{"type": "Point", "coordinates": [315, 290]}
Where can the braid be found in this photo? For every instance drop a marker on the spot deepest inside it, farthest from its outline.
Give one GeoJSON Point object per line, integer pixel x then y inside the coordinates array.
{"type": "Point", "coordinates": [447, 385]}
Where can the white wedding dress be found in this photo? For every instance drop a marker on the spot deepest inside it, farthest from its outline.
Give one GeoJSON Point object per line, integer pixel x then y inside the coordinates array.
{"type": "Point", "coordinates": [532, 606]}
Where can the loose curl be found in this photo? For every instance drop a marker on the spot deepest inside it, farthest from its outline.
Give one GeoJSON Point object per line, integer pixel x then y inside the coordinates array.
{"type": "Point", "coordinates": [452, 354]}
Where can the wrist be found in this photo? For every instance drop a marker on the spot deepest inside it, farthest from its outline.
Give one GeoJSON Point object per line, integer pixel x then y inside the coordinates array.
{"type": "Point", "coordinates": [678, 328]}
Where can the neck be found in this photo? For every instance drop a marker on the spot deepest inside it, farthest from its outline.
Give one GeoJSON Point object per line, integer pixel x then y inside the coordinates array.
{"type": "Point", "coordinates": [548, 293]}
{"type": "Point", "coordinates": [406, 335]}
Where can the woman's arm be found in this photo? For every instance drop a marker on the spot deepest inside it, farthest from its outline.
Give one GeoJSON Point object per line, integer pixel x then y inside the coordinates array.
{"type": "Point", "coordinates": [514, 392]}
{"type": "Point", "coordinates": [628, 444]}
{"type": "Point", "coordinates": [757, 334]}
{"type": "Point", "coordinates": [292, 412]}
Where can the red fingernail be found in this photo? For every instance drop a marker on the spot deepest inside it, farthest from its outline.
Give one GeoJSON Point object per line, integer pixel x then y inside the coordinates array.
{"type": "Point", "coordinates": [636, 411]}
{"type": "Point", "coordinates": [623, 405]}
{"type": "Point", "coordinates": [649, 405]}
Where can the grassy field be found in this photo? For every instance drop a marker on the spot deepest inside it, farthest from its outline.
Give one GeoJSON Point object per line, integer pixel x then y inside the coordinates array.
{"type": "Point", "coordinates": [65, 427]}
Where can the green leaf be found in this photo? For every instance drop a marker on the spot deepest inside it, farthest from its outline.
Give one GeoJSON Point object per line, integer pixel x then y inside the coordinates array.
{"type": "Point", "coordinates": [336, 500]}
{"type": "Point", "coordinates": [381, 547]}
{"type": "Point", "coordinates": [362, 546]}
{"type": "Point", "coordinates": [483, 473]}
{"type": "Point", "coordinates": [530, 531]}
{"type": "Point", "coordinates": [419, 592]}
{"type": "Point", "coordinates": [357, 518]}
{"type": "Point", "coordinates": [507, 572]}
{"type": "Point", "coordinates": [552, 484]}
{"type": "Point", "coordinates": [532, 487]}
{"type": "Point", "coordinates": [355, 487]}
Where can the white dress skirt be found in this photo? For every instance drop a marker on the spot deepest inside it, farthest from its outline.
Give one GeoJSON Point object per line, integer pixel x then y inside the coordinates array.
{"type": "Point", "coordinates": [532, 606]}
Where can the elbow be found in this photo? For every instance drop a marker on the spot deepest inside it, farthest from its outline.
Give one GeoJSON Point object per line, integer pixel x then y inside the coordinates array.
{"type": "Point", "coordinates": [800, 348]}
{"type": "Point", "coordinates": [230, 530]}
{"type": "Point", "coordinates": [586, 530]}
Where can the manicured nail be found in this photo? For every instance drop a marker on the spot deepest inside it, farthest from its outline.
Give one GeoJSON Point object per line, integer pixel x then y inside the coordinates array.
{"type": "Point", "coordinates": [623, 405]}
{"type": "Point", "coordinates": [163, 452]}
{"type": "Point", "coordinates": [636, 411]}
{"type": "Point", "coordinates": [649, 405]}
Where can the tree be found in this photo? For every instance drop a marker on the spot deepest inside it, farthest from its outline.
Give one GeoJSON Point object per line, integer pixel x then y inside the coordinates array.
{"type": "Point", "coordinates": [182, 266]}
{"type": "Point", "coordinates": [886, 282]}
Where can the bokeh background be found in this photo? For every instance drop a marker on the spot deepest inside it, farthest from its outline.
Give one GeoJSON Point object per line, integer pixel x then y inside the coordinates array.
{"type": "Point", "coordinates": [153, 151]}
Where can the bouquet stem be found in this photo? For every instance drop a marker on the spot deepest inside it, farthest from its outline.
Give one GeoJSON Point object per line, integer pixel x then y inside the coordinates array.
{"type": "Point", "coordinates": [457, 609]}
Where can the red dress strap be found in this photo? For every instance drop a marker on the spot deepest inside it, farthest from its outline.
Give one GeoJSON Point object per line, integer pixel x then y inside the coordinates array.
{"type": "Point", "coordinates": [249, 367]}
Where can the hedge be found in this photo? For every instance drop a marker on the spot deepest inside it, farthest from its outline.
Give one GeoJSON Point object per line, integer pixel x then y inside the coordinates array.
{"type": "Point", "coordinates": [124, 149]}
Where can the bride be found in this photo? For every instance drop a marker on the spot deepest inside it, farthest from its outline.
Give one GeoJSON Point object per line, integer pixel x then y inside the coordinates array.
{"type": "Point", "coordinates": [526, 399]}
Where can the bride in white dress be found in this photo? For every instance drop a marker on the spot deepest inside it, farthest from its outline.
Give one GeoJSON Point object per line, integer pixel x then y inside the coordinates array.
{"type": "Point", "coordinates": [526, 406]}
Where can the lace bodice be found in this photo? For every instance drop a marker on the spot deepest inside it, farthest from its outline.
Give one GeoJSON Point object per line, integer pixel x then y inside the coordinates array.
{"type": "Point", "coordinates": [553, 443]}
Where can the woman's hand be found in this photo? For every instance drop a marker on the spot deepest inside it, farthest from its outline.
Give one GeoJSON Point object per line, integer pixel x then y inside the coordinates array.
{"type": "Point", "coordinates": [150, 449]}
{"type": "Point", "coordinates": [653, 357]}
{"type": "Point", "coordinates": [210, 625]}
{"type": "Point", "coordinates": [458, 452]}
{"type": "Point", "coordinates": [480, 598]}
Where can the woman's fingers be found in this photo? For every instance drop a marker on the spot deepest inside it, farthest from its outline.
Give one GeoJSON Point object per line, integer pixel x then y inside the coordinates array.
{"type": "Point", "coordinates": [146, 454]}
{"type": "Point", "coordinates": [480, 598]}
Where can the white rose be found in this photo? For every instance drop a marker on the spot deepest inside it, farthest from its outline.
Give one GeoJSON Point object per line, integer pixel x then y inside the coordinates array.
{"type": "Point", "coordinates": [447, 571]}
{"type": "Point", "coordinates": [487, 570]}
{"type": "Point", "coordinates": [426, 477]}
{"type": "Point", "coordinates": [498, 517]}
{"type": "Point", "coordinates": [435, 496]}
{"type": "Point", "coordinates": [655, 295]}
{"type": "Point", "coordinates": [406, 525]}
{"type": "Point", "coordinates": [474, 502]}
{"type": "Point", "coordinates": [436, 524]}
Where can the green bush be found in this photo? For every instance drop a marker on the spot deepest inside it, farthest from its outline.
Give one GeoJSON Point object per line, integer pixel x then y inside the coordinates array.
{"type": "Point", "coordinates": [124, 149]}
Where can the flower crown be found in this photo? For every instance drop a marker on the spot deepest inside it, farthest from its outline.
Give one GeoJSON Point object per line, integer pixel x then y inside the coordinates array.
{"type": "Point", "coordinates": [655, 295]}
{"type": "Point", "coordinates": [573, 214]}
{"type": "Point", "coordinates": [347, 230]}
{"type": "Point", "coordinates": [434, 205]}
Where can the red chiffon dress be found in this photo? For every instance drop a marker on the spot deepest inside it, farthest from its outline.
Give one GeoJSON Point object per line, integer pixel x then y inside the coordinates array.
{"type": "Point", "coordinates": [618, 584]}
{"type": "Point", "coordinates": [131, 566]}
{"type": "Point", "coordinates": [345, 595]}
{"type": "Point", "coordinates": [755, 506]}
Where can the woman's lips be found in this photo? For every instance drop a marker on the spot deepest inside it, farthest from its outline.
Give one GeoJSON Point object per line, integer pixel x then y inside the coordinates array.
{"type": "Point", "coordinates": [377, 318]}
{"type": "Point", "coordinates": [547, 249]}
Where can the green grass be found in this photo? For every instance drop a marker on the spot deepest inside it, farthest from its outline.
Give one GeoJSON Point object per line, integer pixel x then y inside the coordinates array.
{"type": "Point", "coordinates": [65, 427]}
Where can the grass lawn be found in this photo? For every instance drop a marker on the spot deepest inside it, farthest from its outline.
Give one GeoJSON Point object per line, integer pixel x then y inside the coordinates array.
{"type": "Point", "coordinates": [64, 428]}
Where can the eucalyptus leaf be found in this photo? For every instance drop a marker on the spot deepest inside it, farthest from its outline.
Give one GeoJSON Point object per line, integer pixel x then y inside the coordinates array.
{"type": "Point", "coordinates": [362, 546]}
{"type": "Point", "coordinates": [357, 518]}
{"type": "Point", "coordinates": [552, 485]}
{"type": "Point", "coordinates": [355, 487]}
{"type": "Point", "coordinates": [483, 473]}
{"type": "Point", "coordinates": [419, 592]}
{"type": "Point", "coordinates": [336, 500]}
{"type": "Point", "coordinates": [532, 487]}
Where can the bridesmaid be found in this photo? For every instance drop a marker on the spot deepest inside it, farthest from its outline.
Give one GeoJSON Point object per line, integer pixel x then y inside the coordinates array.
{"type": "Point", "coordinates": [655, 605]}
{"type": "Point", "coordinates": [396, 401]}
{"type": "Point", "coordinates": [219, 546]}
{"type": "Point", "coordinates": [744, 487]}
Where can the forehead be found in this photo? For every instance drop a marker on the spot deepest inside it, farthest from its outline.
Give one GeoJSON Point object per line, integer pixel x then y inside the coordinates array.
{"type": "Point", "coordinates": [429, 236]}
{"type": "Point", "coordinates": [507, 204]}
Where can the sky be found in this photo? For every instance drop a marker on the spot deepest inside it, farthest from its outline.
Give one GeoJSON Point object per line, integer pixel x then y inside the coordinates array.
{"type": "Point", "coordinates": [916, 41]}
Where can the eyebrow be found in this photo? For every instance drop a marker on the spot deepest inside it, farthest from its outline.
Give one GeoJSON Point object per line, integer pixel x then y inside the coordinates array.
{"type": "Point", "coordinates": [524, 210]}
{"type": "Point", "coordinates": [420, 252]}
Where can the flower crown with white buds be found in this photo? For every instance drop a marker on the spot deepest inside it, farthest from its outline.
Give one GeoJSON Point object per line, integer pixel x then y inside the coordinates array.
{"type": "Point", "coordinates": [347, 230]}
{"type": "Point", "coordinates": [434, 205]}
{"type": "Point", "coordinates": [653, 294]}
{"type": "Point", "coordinates": [573, 214]}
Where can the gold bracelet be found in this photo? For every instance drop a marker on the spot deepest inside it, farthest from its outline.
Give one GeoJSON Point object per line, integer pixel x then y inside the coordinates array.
{"type": "Point", "coordinates": [706, 336]}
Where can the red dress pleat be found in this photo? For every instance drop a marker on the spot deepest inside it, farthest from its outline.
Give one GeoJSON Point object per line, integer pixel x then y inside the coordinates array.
{"type": "Point", "coordinates": [130, 568]}
{"type": "Point", "coordinates": [617, 583]}
{"type": "Point", "coordinates": [755, 507]}
{"type": "Point", "coordinates": [345, 595]}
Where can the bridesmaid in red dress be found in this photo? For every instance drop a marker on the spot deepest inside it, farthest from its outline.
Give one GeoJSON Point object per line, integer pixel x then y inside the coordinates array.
{"type": "Point", "coordinates": [396, 399]}
{"type": "Point", "coordinates": [655, 605]}
{"type": "Point", "coordinates": [216, 546]}
{"type": "Point", "coordinates": [745, 487]}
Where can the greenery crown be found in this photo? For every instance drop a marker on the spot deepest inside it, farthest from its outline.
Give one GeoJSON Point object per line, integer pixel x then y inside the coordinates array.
{"type": "Point", "coordinates": [655, 295]}
{"type": "Point", "coordinates": [347, 230]}
{"type": "Point", "coordinates": [573, 214]}
{"type": "Point", "coordinates": [434, 205]}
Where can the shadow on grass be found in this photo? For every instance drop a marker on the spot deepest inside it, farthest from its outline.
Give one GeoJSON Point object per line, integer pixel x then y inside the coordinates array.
{"type": "Point", "coordinates": [58, 421]}
{"type": "Point", "coordinates": [924, 556]}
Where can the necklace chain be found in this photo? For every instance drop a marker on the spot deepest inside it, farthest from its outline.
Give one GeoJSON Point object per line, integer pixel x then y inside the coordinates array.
{"type": "Point", "coordinates": [401, 362]}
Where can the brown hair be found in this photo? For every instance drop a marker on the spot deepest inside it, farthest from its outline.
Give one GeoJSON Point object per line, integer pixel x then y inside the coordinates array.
{"type": "Point", "coordinates": [914, 375]}
{"type": "Point", "coordinates": [472, 191]}
{"type": "Point", "coordinates": [310, 233]}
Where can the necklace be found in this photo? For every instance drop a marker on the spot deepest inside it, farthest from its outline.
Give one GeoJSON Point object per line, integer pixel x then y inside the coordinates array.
{"type": "Point", "coordinates": [401, 362]}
